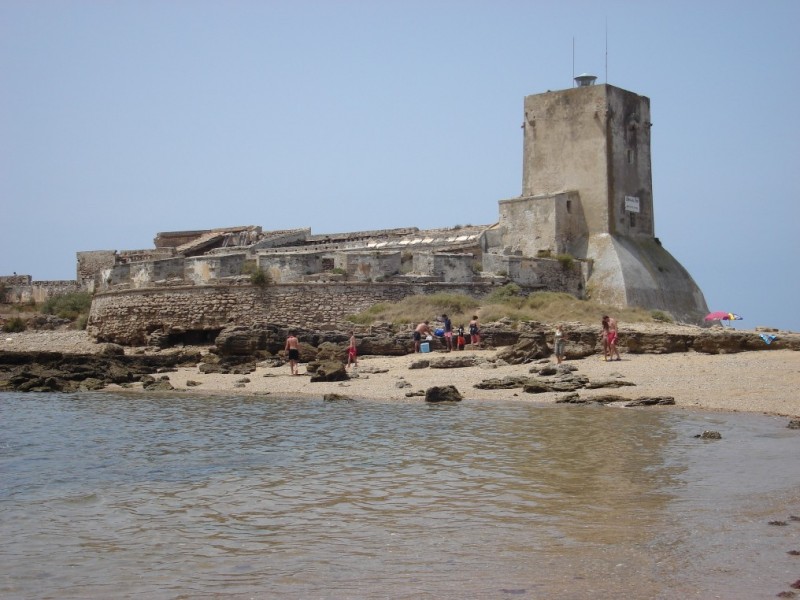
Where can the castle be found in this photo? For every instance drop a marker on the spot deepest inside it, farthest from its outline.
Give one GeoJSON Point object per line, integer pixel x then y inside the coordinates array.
{"type": "Point", "coordinates": [583, 225]}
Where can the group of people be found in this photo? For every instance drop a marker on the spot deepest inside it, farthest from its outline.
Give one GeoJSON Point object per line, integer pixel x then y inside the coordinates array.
{"type": "Point", "coordinates": [423, 330]}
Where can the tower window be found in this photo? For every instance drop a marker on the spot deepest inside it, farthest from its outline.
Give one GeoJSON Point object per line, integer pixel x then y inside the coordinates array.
{"type": "Point", "coordinates": [630, 156]}
{"type": "Point", "coordinates": [632, 219]}
{"type": "Point", "coordinates": [569, 206]}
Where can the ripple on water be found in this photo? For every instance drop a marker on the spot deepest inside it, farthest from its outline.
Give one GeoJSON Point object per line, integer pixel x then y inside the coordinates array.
{"type": "Point", "coordinates": [179, 497]}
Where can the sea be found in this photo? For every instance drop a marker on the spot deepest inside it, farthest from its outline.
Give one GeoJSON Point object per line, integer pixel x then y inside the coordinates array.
{"type": "Point", "coordinates": [106, 495]}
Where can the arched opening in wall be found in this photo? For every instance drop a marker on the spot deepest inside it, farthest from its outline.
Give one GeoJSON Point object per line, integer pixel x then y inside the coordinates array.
{"type": "Point", "coordinates": [193, 337]}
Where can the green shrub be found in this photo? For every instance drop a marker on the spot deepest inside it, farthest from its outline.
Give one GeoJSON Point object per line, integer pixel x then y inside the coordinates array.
{"type": "Point", "coordinates": [68, 306]}
{"type": "Point", "coordinates": [80, 322]}
{"type": "Point", "coordinates": [566, 260]}
{"type": "Point", "coordinates": [339, 271]}
{"type": "Point", "coordinates": [14, 325]}
{"type": "Point", "coordinates": [661, 317]}
{"type": "Point", "coordinates": [544, 253]}
{"type": "Point", "coordinates": [259, 278]}
{"type": "Point", "coordinates": [504, 294]}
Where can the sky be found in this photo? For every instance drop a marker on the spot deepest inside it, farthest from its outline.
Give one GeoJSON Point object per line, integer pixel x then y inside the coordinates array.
{"type": "Point", "coordinates": [119, 120]}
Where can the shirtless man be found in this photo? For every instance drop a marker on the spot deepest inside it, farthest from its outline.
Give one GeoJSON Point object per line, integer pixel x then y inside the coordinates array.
{"type": "Point", "coordinates": [293, 350]}
{"type": "Point", "coordinates": [423, 329]}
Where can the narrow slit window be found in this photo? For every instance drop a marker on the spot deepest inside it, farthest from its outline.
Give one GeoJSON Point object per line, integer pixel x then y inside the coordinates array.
{"type": "Point", "coordinates": [632, 217]}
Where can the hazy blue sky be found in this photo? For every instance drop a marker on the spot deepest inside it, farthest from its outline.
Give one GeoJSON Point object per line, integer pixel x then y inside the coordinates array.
{"type": "Point", "coordinates": [122, 119]}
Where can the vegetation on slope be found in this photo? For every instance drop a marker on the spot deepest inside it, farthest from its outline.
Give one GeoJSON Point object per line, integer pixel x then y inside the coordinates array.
{"type": "Point", "coordinates": [505, 302]}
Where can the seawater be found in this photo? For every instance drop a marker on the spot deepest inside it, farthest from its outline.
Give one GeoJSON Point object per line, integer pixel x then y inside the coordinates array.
{"type": "Point", "coordinates": [128, 496]}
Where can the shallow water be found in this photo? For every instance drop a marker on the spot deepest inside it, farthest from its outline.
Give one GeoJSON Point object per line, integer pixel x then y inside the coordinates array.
{"type": "Point", "coordinates": [112, 496]}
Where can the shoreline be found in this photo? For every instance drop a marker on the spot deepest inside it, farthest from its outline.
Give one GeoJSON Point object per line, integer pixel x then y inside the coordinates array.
{"type": "Point", "coordinates": [755, 382]}
{"type": "Point", "coordinates": [762, 382]}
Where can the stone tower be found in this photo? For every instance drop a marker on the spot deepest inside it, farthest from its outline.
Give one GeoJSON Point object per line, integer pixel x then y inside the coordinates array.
{"type": "Point", "coordinates": [587, 190]}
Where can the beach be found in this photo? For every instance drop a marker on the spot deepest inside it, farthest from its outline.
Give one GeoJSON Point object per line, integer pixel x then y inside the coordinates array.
{"type": "Point", "coordinates": [758, 382]}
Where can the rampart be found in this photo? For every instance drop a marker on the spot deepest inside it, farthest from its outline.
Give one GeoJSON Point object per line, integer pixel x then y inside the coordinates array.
{"type": "Point", "coordinates": [21, 289]}
{"type": "Point", "coordinates": [198, 313]}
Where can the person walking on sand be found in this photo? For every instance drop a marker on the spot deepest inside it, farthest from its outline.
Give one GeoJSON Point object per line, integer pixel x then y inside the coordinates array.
{"type": "Point", "coordinates": [421, 329]}
{"type": "Point", "coordinates": [292, 349]}
{"type": "Point", "coordinates": [474, 331]}
{"type": "Point", "coordinates": [352, 353]}
{"type": "Point", "coordinates": [448, 333]}
{"type": "Point", "coordinates": [559, 337]}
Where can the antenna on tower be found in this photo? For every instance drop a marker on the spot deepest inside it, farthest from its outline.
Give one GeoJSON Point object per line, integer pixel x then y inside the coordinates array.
{"type": "Point", "coordinates": [573, 61]}
{"type": "Point", "coordinates": [606, 49]}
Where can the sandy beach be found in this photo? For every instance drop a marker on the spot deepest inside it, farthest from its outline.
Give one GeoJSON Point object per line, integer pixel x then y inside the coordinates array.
{"type": "Point", "coordinates": [760, 382]}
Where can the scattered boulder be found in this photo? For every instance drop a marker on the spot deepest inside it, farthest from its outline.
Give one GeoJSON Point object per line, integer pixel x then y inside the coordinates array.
{"type": "Point", "coordinates": [329, 370]}
{"type": "Point", "coordinates": [453, 362]}
{"type": "Point", "coordinates": [336, 398]}
{"type": "Point", "coordinates": [608, 383]}
{"type": "Point", "coordinates": [420, 364]}
{"type": "Point", "coordinates": [794, 424]}
{"type": "Point", "coordinates": [652, 401]}
{"type": "Point", "coordinates": [531, 345]}
{"type": "Point", "coordinates": [505, 383]}
{"type": "Point", "coordinates": [444, 393]}
{"type": "Point", "coordinates": [709, 435]}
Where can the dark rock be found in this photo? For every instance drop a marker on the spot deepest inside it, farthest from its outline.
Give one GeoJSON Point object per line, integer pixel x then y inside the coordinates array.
{"type": "Point", "coordinates": [329, 370]}
{"type": "Point", "coordinates": [608, 383]}
{"type": "Point", "coordinates": [420, 364]}
{"type": "Point", "coordinates": [794, 424]}
{"type": "Point", "coordinates": [652, 401]}
{"type": "Point", "coordinates": [530, 346]}
{"type": "Point", "coordinates": [607, 399]}
{"type": "Point", "coordinates": [91, 384]}
{"type": "Point", "coordinates": [402, 384]}
{"type": "Point", "coordinates": [109, 349]}
{"type": "Point", "coordinates": [505, 383]}
{"type": "Point", "coordinates": [192, 383]}
{"type": "Point", "coordinates": [453, 362]}
{"type": "Point", "coordinates": [709, 435]}
{"type": "Point", "coordinates": [336, 398]}
{"type": "Point", "coordinates": [414, 394]}
{"type": "Point", "coordinates": [240, 340]}
{"type": "Point", "coordinates": [536, 387]}
{"type": "Point", "coordinates": [571, 399]}
{"type": "Point", "coordinates": [444, 393]}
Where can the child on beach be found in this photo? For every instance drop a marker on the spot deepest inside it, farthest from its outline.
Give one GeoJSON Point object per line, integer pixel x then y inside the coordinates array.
{"type": "Point", "coordinates": [460, 341]}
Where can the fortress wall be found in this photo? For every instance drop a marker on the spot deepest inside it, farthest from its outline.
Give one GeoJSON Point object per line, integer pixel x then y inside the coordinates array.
{"type": "Point", "coordinates": [544, 273]}
{"type": "Point", "coordinates": [20, 289]}
{"type": "Point", "coordinates": [94, 261]}
{"type": "Point", "coordinates": [128, 316]}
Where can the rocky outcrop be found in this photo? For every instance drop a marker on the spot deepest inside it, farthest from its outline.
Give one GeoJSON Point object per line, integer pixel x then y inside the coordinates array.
{"type": "Point", "coordinates": [58, 372]}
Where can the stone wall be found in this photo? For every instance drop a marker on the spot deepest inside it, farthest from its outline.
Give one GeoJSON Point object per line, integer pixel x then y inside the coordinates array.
{"type": "Point", "coordinates": [368, 266]}
{"type": "Point", "coordinates": [540, 273]}
{"type": "Point", "coordinates": [21, 289]}
{"type": "Point", "coordinates": [128, 316]}
{"type": "Point", "coordinates": [553, 223]}
{"type": "Point", "coordinates": [92, 262]}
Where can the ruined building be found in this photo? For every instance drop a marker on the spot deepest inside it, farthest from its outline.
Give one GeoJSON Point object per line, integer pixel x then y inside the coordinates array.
{"type": "Point", "coordinates": [583, 224]}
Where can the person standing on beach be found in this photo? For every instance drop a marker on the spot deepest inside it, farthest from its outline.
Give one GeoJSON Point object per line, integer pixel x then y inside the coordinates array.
{"type": "Point", "coordinates": [613, 337]}
{"type": "Point", "coordinates": [474, 331]}
{"type": "Point", "coordinates": [352, 353]}
{"type": "Point", "coordinates": [559, 337]}
{"type": "Point", "coordinates": [448, 332]}
{"type": "Point", "coordinates": [421, 329]}
{"type": "Point", "coordinates": [610, 338]}
{"type": "Point", "coordinates": [292, 349]}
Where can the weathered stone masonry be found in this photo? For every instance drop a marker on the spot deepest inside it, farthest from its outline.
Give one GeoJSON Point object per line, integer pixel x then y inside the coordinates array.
{"type": "Point", "coordinates": [129, 316]}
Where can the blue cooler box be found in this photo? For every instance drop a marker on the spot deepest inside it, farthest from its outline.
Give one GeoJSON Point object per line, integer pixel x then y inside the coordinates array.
{"type": "Point", "coordinates": [425, 347]}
